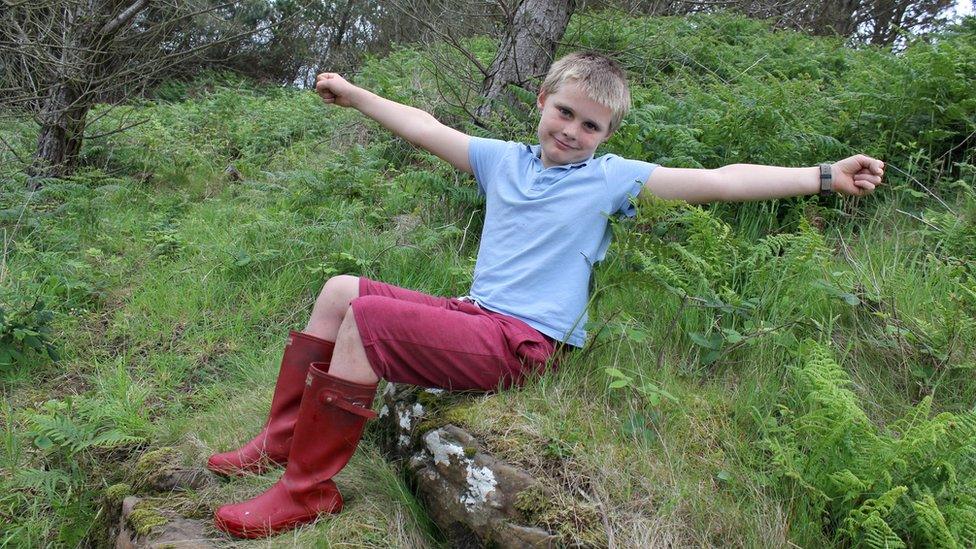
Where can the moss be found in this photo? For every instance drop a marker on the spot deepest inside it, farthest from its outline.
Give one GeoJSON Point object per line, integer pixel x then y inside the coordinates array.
{"type": "Point", "coordinates": [144, 518]}
{"type": "Point", "coordinates": [117, 492]}
{"type": "Point", "coordinates": [460, 415]}
{"type": "Point", "coordinates": [470, 451]}
{"type": "Point", "coordinates": [154, 461]}
{"type": "Point", "coordinates": [429, 400]}
{"type": "Point", "coordinates": [575, 523]}
{"type": "Point", "coordinates": [532, 503]}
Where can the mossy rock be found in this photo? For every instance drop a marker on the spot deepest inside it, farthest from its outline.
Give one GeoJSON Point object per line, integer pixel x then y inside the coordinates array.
{"type": "Point", "coordinates": [117, 492]}
{"type": "Point", "coordinates": [145, 517]}
{"type": "Point", "coordinates": [152, 462]}
{"type": "Point", "coordinates": [461, 415]}
{"type": "Point", "coordinates": [430, 400]}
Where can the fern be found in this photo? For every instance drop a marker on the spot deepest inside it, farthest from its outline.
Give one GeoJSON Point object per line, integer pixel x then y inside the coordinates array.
{"type": "Point", "coordinates": [77, 428]}
{"type": "Point", "coordinates": [911, 482]}
{"type": "Point", "coordinates": [879, 535]}
{"type": "Point", "coordinates": [931, 524]}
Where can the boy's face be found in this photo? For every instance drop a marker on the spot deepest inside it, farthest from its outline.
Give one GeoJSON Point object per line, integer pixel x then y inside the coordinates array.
{"type": "Point", "coordinates": [571, 126]}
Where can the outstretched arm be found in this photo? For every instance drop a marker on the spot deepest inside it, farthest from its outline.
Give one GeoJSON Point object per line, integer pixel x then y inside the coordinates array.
{"type": "Point", "coordinates": [853, 176]}
{"type": "Point", "coordinates": [412, 124]}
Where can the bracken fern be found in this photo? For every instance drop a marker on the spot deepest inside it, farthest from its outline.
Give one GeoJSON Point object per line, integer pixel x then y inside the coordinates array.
{"type": "Point", "coordinates": [910, 483]}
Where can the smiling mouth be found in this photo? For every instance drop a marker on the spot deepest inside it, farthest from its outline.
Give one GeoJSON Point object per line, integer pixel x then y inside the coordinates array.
{"type": "Point", "coordinates": [562, 145]}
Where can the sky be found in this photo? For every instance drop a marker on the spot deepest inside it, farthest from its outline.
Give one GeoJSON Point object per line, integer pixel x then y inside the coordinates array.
{"type": "Point", "coordinates": [964, 7]}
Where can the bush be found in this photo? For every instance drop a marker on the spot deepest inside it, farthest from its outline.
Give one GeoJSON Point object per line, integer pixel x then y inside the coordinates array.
{"type": "Point", "coordinates": [25, 331]}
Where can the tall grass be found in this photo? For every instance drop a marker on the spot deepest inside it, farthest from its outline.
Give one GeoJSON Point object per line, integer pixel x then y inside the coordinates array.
{"type": "Point", "coordinates": [172, 286]}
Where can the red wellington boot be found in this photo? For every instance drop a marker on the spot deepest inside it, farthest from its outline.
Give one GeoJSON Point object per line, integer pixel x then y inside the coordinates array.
{"type": "Point", "coordinates": [330, 421]}
{"type": "Point", "coordinates": [272, 444]}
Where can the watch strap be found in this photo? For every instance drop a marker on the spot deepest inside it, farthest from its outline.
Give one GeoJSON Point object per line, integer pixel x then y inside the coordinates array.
{"type": "Point", "coordinates": [826, 179]}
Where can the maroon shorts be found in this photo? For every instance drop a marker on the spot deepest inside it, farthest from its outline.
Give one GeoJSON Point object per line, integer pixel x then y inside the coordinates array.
{"type": "Point", "coordinates": [415, 338]}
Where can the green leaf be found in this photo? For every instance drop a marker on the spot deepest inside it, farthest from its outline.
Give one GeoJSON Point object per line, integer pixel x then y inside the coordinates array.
{"type": "Point", "coordinates": [43, 443]}
{"type": "Point", "coordinates": [713, 342]}
{"type": "Point", "coordinates": [637, 426]}
{"type": "Point", "coordinates": [34, 342]}
{"type": "Point", "coordinates": [619, 383]}
{"type": "Point", "coordinates": [850, 299]}
{"type": "Point", "coordinates": [710, 357]}
{"type": "Point", "coordinates": [649, 388]}
{"type": "Point", "coordinates": [724, 476]}
{"type": "Point", "coordinates": [616, 373]}
{"type": "Point", "coordinates": [636, 335]}
{"type": "Point", "coordinates": [731, 335]}
{"type": "Point", "coordinates": [241, 258]}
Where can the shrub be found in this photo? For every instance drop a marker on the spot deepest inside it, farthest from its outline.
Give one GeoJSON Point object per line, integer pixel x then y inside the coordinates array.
{"type": "Point", "coordinates": [25, 331]}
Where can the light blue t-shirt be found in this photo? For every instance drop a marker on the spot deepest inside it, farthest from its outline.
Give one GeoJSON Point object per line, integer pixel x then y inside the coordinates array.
{"type": "Point", "coordinates": [544, 230]}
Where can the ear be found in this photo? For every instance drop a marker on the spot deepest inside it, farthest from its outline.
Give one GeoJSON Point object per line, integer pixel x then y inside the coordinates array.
{"type": "Point", "coordinates": [541, 100]}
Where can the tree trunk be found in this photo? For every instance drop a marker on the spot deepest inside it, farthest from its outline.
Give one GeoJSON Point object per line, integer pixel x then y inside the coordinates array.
{"type": "Point", "coordinates": [86, 35]}
{"type": "Point", "coordinates": [527, 49]}
{"type": "Point", "coordinates": [62, 131]}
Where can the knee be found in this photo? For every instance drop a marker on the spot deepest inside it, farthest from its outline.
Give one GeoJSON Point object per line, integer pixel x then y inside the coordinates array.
{"type": "Point", "coordinates": [337, 293]}
{"type": "Point", "coordinates": [342, 285]}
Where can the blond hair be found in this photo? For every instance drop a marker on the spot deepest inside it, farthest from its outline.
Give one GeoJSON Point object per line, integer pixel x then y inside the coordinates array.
{"type": "Point", "coordinates": [599, 77]}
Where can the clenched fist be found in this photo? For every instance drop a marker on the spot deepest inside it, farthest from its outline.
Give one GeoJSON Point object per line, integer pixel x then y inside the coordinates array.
{"type": "Point", "coordinates": [857, 175]}
{"type": "Point", "coordinates": [333, 88]}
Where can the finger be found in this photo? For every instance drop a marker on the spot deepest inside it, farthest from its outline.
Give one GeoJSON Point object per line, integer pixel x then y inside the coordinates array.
{"type": "Point", "coordinates": [870, 178]}
{"type": "Point", "coordinates": [865, 185]}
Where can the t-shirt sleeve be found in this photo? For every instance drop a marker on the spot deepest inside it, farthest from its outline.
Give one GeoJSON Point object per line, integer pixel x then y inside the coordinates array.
{"type": "Point", "coordinates": [626, 178]}
{"type": "Point", "coordinates": [485, 156]}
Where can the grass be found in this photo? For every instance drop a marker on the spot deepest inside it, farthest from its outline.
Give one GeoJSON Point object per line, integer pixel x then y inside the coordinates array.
{"type": "Point", "coordinates": [173, 288]}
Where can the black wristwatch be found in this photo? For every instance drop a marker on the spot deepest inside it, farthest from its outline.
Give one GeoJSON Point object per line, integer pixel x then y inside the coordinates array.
{"type": "Point", "coordinates": [826, 179]}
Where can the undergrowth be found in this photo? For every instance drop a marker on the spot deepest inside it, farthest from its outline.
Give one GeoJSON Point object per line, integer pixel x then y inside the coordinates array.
{"type": "Point", "coordinates": [795, 371]}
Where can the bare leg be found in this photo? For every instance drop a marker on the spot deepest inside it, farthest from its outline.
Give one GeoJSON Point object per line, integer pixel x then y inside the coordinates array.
{"type": "Point", "coordinates": [331, 305]}
{"type": "Point", "coordinates": [349, 358]}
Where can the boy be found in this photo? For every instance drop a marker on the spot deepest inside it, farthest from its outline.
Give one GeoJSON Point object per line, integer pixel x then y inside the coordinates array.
{"type": "Point", "coordinates": [545, 225]}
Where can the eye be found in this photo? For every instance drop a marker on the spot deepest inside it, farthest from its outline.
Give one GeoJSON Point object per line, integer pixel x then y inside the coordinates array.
{"type": "Point", "coordinates": [564, 111]}
{"type": "Point", "coordinates": [591, 126]}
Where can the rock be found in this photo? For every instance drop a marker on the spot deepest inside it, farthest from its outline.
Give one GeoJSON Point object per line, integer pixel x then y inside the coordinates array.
{"type": "Point", "coordinates": [470, 495]}
{"type": "Point", "coordinates": [161, 471]}
{"type": "Point", "coordinates": [144, 525]}
{"type": "Point", "coordinates": [155, 518]}
{"type": "Point", "coordinates": [232, 174]}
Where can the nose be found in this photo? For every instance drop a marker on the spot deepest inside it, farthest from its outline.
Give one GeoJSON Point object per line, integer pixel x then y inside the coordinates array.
{"type": "Point", "coordinates": [570, 130]}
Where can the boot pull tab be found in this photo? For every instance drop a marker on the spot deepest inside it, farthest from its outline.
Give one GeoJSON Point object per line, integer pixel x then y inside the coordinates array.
{"type": "Point", "coordinates": [335, 399]}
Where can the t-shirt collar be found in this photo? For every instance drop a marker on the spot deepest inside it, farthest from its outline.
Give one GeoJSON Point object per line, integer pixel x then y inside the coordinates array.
{"type": "Point", "coordinates": [536, 151]}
